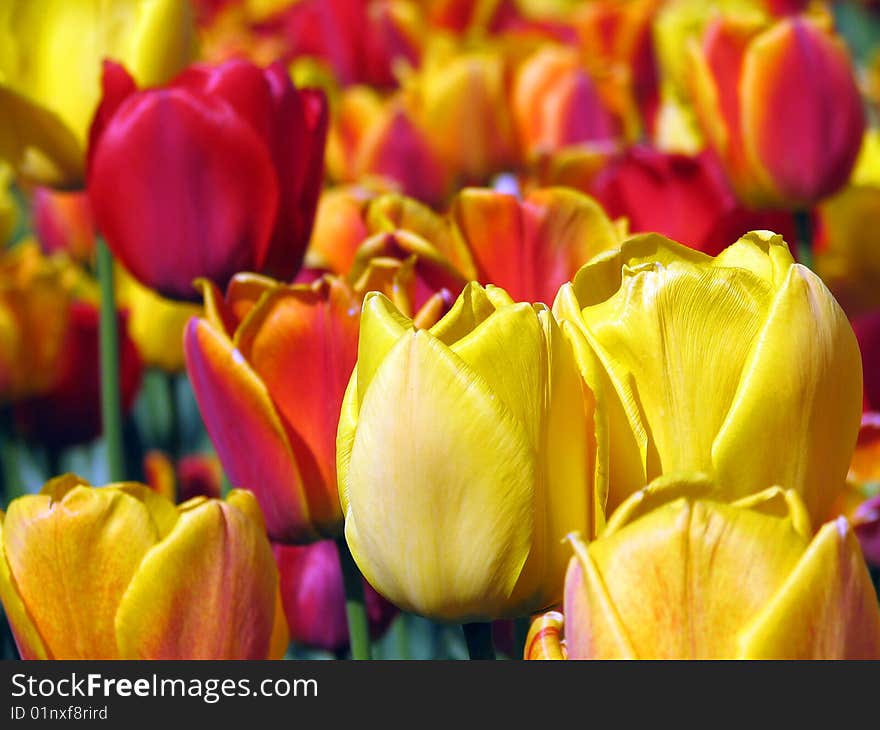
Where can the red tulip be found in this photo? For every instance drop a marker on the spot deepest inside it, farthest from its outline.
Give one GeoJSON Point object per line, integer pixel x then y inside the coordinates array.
{"type": "Point", "coordinates": [70, 412]}
{"type": "Point", "coordinates": [216, 173]}
{"type": "Point", "coordinates": [867, 329]}
{"type": "Point", "coordinates": [682, 197]}
{"type": "Point", "coordinates": [313, 596]}
{"type": "Point", "coordinates": [361, 40]}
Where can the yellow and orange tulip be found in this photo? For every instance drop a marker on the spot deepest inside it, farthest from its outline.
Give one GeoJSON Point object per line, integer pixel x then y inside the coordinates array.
{"type": "Point", "coordinates": [693, 578]}
{"type": "Point", "coordinates": [269, 365]}
{"type": "Point", "coordinates": [709, 364]}
{"type": "Point", "coordinates": [121, 573]}
{"type": "Point", "coordinates": [50, 73]}
{"type": "Point", "coordinates": [463, 457]}
{"type": "Point", "coordinates": [35, 299]}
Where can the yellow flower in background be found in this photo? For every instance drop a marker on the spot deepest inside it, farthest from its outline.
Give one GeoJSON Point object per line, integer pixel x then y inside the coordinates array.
{"type": "Point", "coordinates": [50, 72]}
{"type": "Point", "coordinates": [459, 100]}
{"type": "Point", "coordinates": [155, 324]}
{"type": "Point", "coordinates": [741, 366]}
{"type": "Point", "coordinates": [464, 457]}
{"type": "Point", "coordinates": [35, 298]}
{"type": "Point", "coordinates": [676, 575]}
{"type": "Point", "coordinates": [121, 573]}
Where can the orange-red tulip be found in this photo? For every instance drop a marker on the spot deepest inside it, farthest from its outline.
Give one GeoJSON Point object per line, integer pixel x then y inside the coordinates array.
{"type": "Point", "coordinates": [781, 107]}
{"type": "Point", "coordinates": [269, 365]}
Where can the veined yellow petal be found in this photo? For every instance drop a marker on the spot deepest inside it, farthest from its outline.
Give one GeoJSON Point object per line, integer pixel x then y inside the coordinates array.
{"type": "Point", "coordinates": [686, 577]}
{"type": "Point", "coordinates": [381, 327]}
{"type": "Point", "coordinates": [472, 307]}
{"type": "Point", "coordinates": [802, 381]}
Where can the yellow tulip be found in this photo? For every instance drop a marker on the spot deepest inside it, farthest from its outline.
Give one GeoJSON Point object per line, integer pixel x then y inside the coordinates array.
{"type": "Point", "coordinates": [155, 324]}
{"type": "Point", "coordinates": [121, 573]}
{"type": "Point", "coordinates": [50, 72]}
{"type": "Point", "coordinates": [699, 579]}
{"type": "Point", "coordinates": [463, 458]}
{"type": "Point", "coordinates": [741, 366]}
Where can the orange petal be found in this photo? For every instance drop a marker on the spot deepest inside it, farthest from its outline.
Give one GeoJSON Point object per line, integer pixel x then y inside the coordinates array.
{"type": "Point", "coordinates": [251, 439]}
{"type": "Point", "coordinates": [207, 591]}
{"type": "Point", "coordinates": [72, 560]}
{"type": "Point", "coordinates": [302, 342]}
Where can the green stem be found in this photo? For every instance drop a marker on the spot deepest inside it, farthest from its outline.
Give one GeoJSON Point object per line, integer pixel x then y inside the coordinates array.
{"type": "Point", "coordinates": [355, 607]}
{"type": "Point", "coordinates": [479, 640]}
{"type": "Point", "coordinates": [400, 631]}
{"type": "Point", "coordinates": [111, 407]}
{"type": "Point", "coordinates": [804, 223]}
{"type": "Point", "coordinates": [173, 441]}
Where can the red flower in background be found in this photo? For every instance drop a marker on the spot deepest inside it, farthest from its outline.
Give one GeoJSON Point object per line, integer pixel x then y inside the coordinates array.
{"type": "Point", "coordinates": [216, 173]}
{"type": "Point", "coordinates": [683, 197]}
{"type": "Point", "coordinates": [313, 596]}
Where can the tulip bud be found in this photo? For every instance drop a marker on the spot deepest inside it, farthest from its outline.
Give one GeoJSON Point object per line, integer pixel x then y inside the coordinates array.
{"type": "Point", "coordinates": [313, 596]}
{"type": "Point", "coordinates": [698, 579]}
{"type": "Point", "coordinates": [236, 139]}
{"type": "Point", "coordinates": [478, 431]}
{"type": "Point", "coordinates": [49, 98]}
{"type": "Point", "coordinates": [781, 107]}
{"type": "Point", "coordinates": [140, 579]}
{"type": "Point", "coordinates": [685, 353]}
{"type": "Point", "coordinates": [274, 429]}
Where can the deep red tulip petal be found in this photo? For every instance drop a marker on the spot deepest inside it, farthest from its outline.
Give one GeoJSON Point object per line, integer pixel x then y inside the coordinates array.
{"type": "Point", "coordinates": [182, 188]}
{"type": "Point", "coordinates": [867, 329]}
{"type": "Point", "coordinates": [117, 85]}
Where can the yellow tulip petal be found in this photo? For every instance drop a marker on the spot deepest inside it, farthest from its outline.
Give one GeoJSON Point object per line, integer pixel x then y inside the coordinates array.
{"type": "Point", "coordinates": [671, 334]}
{"type": "Point", "coordinates": [761, 252]}
{"type": "Point", "coordinates": [280, 639]}
{"type": "Point", "coordinates": [827, 609]}
{"type": "Point", "coordinates": [472, 307]}
{"type": "Point", "coordinates": [686, 577]}
{"type": "Point", "coordinates": [381, 327]}
{"type": "Point", "coordinates": [802, 380]}
{"type": "Point", "coordinates": [72, 560]}
{"type": "Point", "coordinates": [222, 606]}
{"type": "Point", "coordinates": [544, 640]}
{"type": "Point", "coordinates": [28, 640]}
{"type": "Point", "coordinates": [593, 629]}
{"type": "Point", "coordinates": [663, 489]}
{"type": "Point", "coordinates": [468, 470]}
{"type": "Point", "coordinates": [564, 500]}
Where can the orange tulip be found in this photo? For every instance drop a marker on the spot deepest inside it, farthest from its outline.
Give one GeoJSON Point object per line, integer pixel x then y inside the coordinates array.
{"type": "Point", "coordinates": [269, 366]}
{"type": "Point", "coordinates": [120, 573]}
